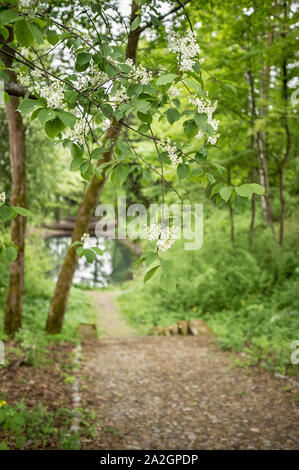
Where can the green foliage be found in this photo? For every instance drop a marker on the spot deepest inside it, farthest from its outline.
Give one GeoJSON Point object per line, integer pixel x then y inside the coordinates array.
{"type": "Point", "coordinates": [38, 293]}
{"type": "Point", "coordinates": [38, 425]}
{"type": "Point", "coordinates": [250, 298]}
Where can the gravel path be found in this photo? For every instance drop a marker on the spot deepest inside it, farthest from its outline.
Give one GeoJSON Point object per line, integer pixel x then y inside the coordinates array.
{"type": "Point", "coordinates": [182, 393]}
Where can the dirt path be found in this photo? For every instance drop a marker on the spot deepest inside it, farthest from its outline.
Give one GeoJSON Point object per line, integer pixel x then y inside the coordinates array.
{"type": "Point", "coordinates": [110, 320]}
{"type": "Point", "coordinates": [180, 393]}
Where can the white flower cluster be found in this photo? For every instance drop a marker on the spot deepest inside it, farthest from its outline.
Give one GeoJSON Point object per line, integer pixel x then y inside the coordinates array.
{"type": "Point", "coordinates": [163, 236]}
{"type": "Point", "coordinates": [173, 91]}
{"type": "Point", "coordinates": [53, 93]}
{"type": "Point", "coordinates": [25, 3]}
{"type": "Point", "coordinates": [185, 48]}
{"type": "Point", "coordinates": [203, 105]}
{"type": "Point", "coordinates": [94, 76]}
{"type": "Point", "coordinates": [77, 134]}
{"type": "Point", "coordinates": [140, 73]}
{"type": "Point", "coordinates": [120, 95]}
{"type": "Point", "coordinates": [172, 151]}
{"type": "Point", "coordinates": [2, 197]}
{"type": "Point", "coordinates": [207, 107]}
{"type": "Point", "coordinates": [23, 78]}
{"type": "Point", "coordinates": [84, 237]}
{"type": "Point", "coordinates": [213, 139]}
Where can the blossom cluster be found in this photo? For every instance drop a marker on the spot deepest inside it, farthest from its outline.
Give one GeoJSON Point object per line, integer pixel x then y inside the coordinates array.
{"type": "Point", "coordinates": [25, 3]}
{"type": "Point", "coordinates": [53, 93]}
{"type": "Point", "coordinates": [163, 236]}
{"type": "Point", "coordinates": [120, 95]}
{"type": "Point", "coordinates": [2, 197]}
{"type": "Point", "coordinates": [94, 76]}
{"type": "Point", "coordinates": [173, 91]}
{"type": "Point", "coordinates": [77, 134]}
{"type": "Point", "coordinates": [140, 73]}
{"type": "Point", "coordinates": [172, 151]}
{"type": "Point", "coordinates": [84, 237]}
{"type": "Point", "coordinates": [185, 48]}
{"type": "Point", "coordinates": [204, 105]}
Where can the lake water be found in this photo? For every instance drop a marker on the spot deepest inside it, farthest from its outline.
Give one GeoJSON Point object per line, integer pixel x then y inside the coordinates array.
{"type": "Point", "coordinates": [111, 267]}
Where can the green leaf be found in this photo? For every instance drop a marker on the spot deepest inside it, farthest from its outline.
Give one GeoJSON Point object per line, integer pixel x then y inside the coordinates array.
{"type": "Point", "coordinates": [166, 78]}
{"type": "Point", "coordinates": [136, 23]}
{"type": "Point", "coordinates": [11, 253]}
{"type": "Point", "coordinates": [82, 61]}
{"type": "Point", "coordinates": [22, 33]}
{"type": "Point", "coordinates": [76, 151]}
{"type": "Point", "coordinates": [149, 257]}
{"type": "Point", "coordinates": [8, 16]}
{"type": "Point", "coordinates": [197, 67]}
{"type": "Point", "coordinates": [141, 105]}
{"type": "Point", "coordinates": [226, 192]}
{"type": "Point", "coordinates": [76, 243]}
{"type": "Point", "coordinates": [257, 188]}
{"type": "Point", "coordinates": [246, 190]}
{"type": "Point", "coordinates": [27, 105]}
{"type": "Point", "coordinates": [86, 169]}
{"type": "Point", "coordinates": [36, 32]}
{"type": "Point", "coordinates": [194, 86]}
{"type": "Point", "coordinates": [97, 153]}
{"type": "Point", "coordinates": [52, 37]}
{"type": "Point", "coordinates": [216, 189]}
{"type": "Point", "coordinates": [119, 174]}
{"type": "Point", "coordinates": [68, 119]}
{"type": "Point", "coordinates": [182, 170]}
{"type": "Point", "coordinates": [97, 250]}
{"type": "Point", "coordinates": [145, 117]}
{"type": "Point", "coordinates": [201, 121]}
{"type": "Point", "coordinates": [90, 255]}
{"type": "Point", "coordinates": [173, 115]}
{"type": "Point", "coordinates": [80, 251]}
{"type": "Point", "coordinates": [22, 211]}
{"type": "Point", "coordinates": [190, 127]}
{"type": "Point", "coordinates": [76, 163]}
{"type": "Point", "coordinates": [150, 273]}
{"type": "Point", "coordinates": [6, 213]}
{"type": "Point", "coordinates": [45, 115]}
{"type": "Point", "coordinates": [53, 128]}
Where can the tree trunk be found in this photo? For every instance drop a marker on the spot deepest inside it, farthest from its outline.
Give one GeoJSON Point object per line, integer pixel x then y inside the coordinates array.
{"type": "Point", "coordinates": [253, 211]}
{"type": "Point", "coordinates": [15, 292]}
{"type": "Point", "coordinates": [90, 199]}
{"type": "Point", "coordinates": [288, 135]}
{"type": "Point", "coordinates": [231, 212]}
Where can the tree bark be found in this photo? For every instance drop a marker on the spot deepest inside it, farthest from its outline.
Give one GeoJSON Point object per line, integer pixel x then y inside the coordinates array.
{"type": "Point", "coordinates": [231, 212]}
{"type": "Point", "coordinates": [253, 211]}
{"type": "Point", "coordinates": [288, 136]}
{"type": "Point", "coordinates": [15, 293]}
{"type": "Point", "coordinates": [90, 199]}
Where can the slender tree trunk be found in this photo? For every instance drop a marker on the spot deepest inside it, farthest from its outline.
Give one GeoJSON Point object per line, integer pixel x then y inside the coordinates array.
{"type": "Point", "coordinates": [288, 135]}
{"type": "Point", "coordinates": [232, 225]}
{"type": "Point", "coordinates": [231, 212]}
{"type": "Point", "coordinates": [253, 211]}
{"type": "Point", "coordinates": [259, 143]}
{"type": "Point", "coordinates": [262, 142]}
{"type": "Point", "coordinates": [90, 199]}
{"type": "Point", "coordinates": [15, 292]}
